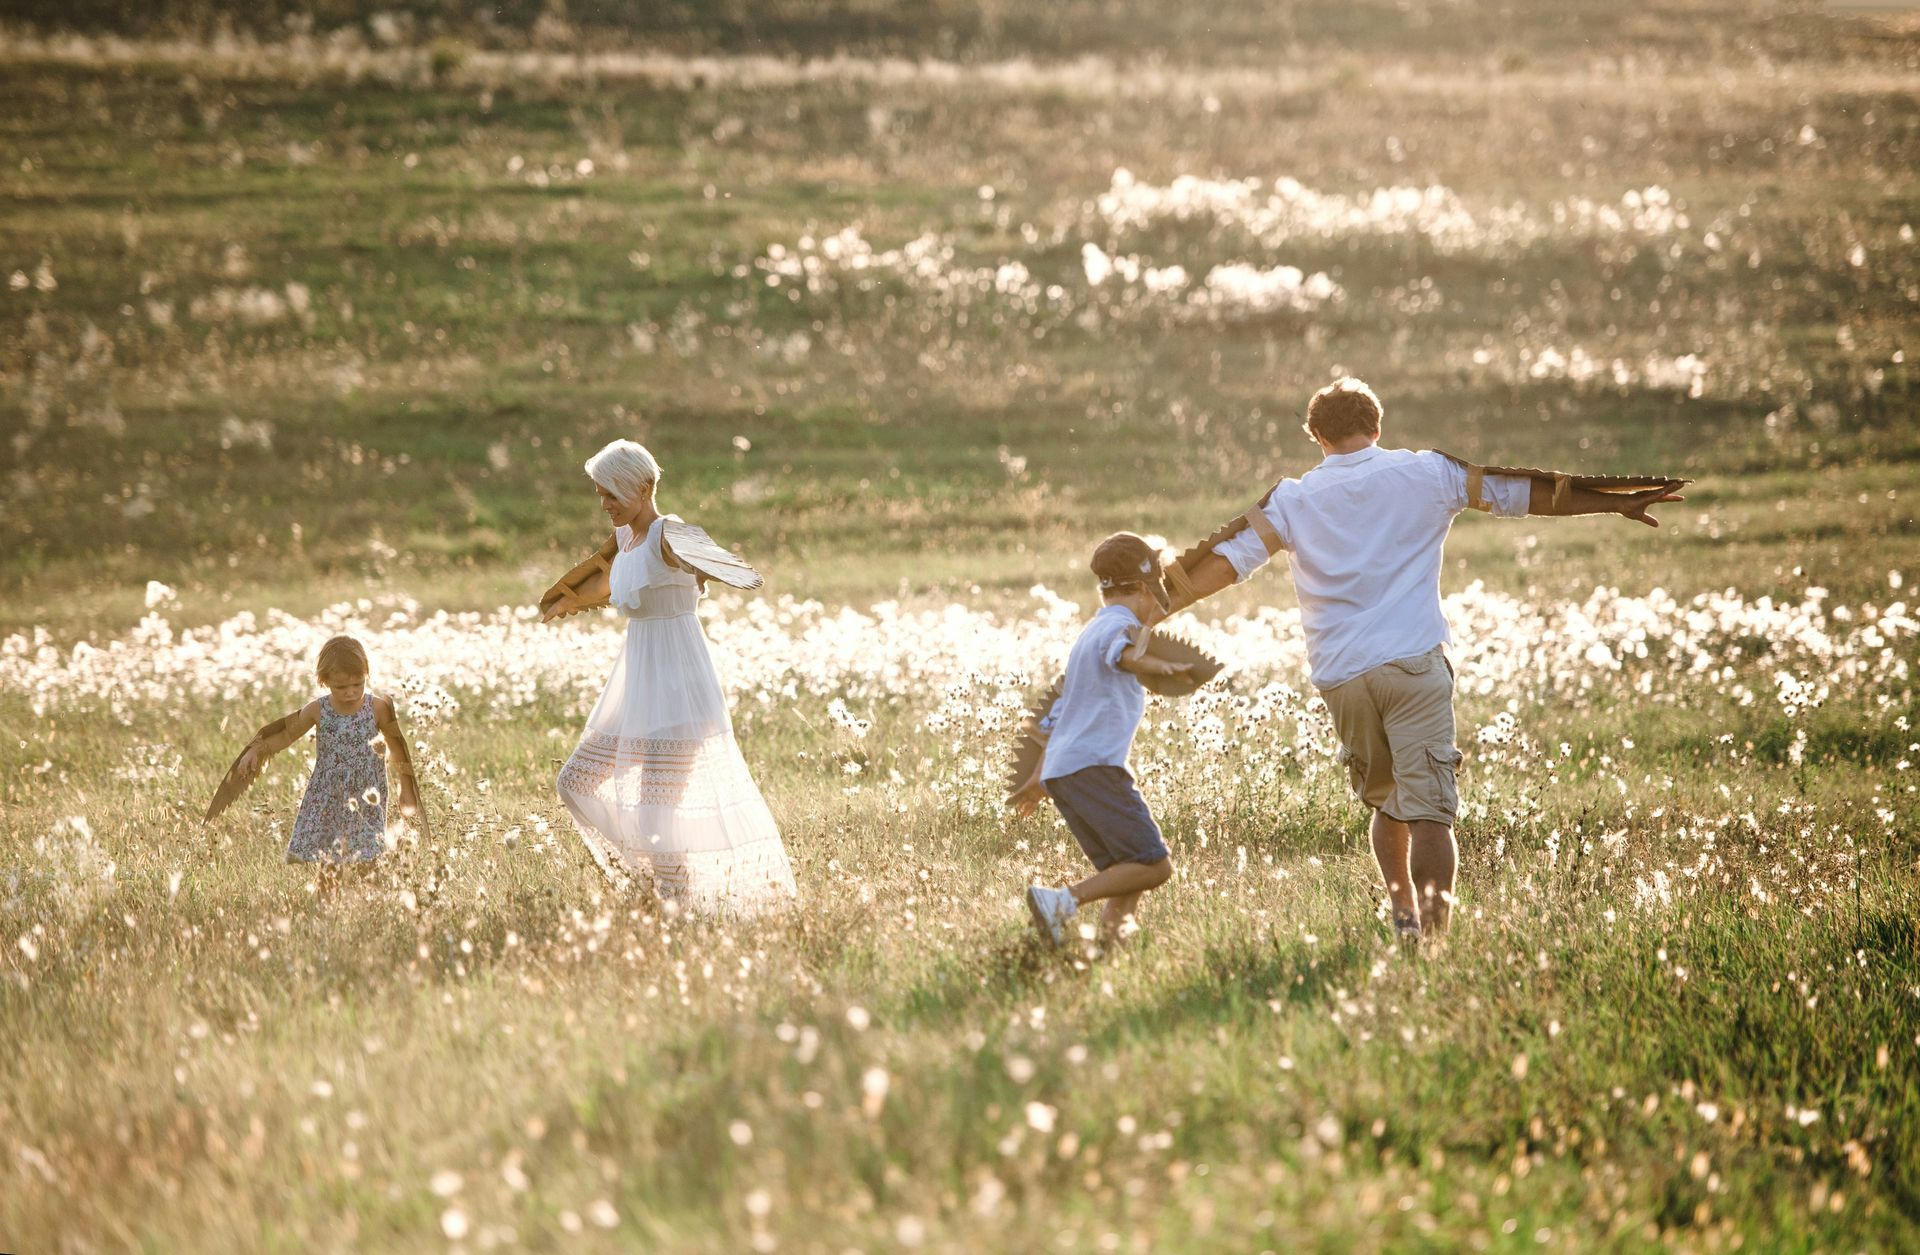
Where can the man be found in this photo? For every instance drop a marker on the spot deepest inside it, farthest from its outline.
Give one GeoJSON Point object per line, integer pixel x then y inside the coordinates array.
{"type": "Point", "coordinates": [1363, 533]}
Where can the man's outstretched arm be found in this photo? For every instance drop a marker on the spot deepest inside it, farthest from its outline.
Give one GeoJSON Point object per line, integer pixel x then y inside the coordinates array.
{"type": "Point", "coordinates": [1212, 575]}
{"type": "Point", "coordinates": [1587, 501]}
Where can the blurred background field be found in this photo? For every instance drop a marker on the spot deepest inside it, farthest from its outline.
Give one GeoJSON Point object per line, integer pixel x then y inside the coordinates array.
{"type": "Point", "coordinates": [280, 304]}
{"type": "Point", "coordinates": [318, 309]}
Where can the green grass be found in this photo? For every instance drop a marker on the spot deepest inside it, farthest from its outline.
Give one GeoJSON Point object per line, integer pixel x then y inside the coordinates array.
{"type": "Point", "coordinates": [237, 1060]}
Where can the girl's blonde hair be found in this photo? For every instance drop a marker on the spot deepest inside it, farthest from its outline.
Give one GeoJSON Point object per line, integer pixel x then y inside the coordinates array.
{"type": "Point", "coordinates": [342, 656]}
{"type": "Point", "coordinates": [624, 469]}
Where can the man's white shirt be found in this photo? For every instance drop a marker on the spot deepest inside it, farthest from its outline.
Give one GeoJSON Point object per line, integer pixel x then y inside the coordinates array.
{"type": "Point", "coordinates": [1364, 534]}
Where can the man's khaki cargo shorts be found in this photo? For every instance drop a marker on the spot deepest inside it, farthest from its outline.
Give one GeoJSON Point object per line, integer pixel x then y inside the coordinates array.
{"type": "Point", "coordinates": [1395, 725]}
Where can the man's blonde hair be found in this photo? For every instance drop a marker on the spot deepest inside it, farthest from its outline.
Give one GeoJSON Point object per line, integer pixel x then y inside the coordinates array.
{"type": "Point", "coordinates": [1343, 409]}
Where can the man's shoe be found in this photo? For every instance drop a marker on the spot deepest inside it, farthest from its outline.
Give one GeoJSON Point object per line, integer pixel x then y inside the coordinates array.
{"type": "Point", "coordinates": [1050, 908]}
{"type": "Point", "coordinates": [1406, 930]}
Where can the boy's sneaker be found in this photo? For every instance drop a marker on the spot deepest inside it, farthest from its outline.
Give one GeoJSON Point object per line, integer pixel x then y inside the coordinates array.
{"type": "Point", "coordinates": [1050, 908]}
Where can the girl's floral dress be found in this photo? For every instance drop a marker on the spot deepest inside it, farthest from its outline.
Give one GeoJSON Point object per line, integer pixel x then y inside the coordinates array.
{"type": "Point", "coordinates": [343, 815]}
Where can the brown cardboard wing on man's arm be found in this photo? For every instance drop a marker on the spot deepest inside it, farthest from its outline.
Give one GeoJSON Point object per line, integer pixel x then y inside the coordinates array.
{"type": "Point", "coordinates": [1563, 482]}
{"type": "Point", "coordinates": [1180, 571]}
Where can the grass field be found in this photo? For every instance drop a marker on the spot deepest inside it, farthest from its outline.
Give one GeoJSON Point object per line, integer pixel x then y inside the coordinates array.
{"type": "Point", "coordinates": [308, 327]}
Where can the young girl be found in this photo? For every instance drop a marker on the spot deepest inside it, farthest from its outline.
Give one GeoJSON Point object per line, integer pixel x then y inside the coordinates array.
{"type": "Point", "coordinates": [343, 815]}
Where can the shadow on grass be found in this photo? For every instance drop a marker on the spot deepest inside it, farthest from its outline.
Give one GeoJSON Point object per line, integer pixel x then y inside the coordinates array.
{"type": "Point", "coordinates": [1232, 981]}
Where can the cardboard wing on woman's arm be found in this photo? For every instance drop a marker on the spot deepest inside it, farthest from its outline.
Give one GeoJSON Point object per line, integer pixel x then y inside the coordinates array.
{"type": "Point", "coordinates": [588, 587]}
{"type": "Point", "coordinates": [693, 549]}
{"type": "Point", "coordinates": [585, 587]}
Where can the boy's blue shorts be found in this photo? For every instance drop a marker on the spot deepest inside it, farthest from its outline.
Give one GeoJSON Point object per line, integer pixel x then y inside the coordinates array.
{"type": "Point", "coordinates": [1108, 816]}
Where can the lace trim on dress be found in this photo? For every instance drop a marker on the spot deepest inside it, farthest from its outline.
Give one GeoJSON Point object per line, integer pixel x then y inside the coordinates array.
{"type": "Point", "coordinates": [650, 772]}
{"type": "Point", "coordinates": [703, 787]}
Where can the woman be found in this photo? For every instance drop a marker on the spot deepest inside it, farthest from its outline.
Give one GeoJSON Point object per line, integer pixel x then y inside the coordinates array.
{"type": "Point", "coordinates": [658, 781]}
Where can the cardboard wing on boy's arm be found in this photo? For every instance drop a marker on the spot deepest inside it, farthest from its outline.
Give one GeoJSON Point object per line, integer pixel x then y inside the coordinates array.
{"type": "Point", "coordinates": [1030, 741]}
{"type": "Point", "coordinates": [240, 778]}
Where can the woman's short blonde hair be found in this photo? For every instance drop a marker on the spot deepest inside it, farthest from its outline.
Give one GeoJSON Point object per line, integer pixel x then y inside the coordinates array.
{"type": "Point", "coordinates": [342, 657]}
{"type": "Point", "coordinates": [625, 469]}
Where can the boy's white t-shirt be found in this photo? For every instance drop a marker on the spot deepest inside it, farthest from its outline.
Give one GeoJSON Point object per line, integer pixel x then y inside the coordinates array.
{"type": "Point", "coordinates": [1099, 708]}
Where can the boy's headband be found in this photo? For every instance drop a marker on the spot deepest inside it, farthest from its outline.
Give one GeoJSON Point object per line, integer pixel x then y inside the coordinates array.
{"type": "Point", "coordinates": [1146, 570]}
{"type": "Point", "coordinates": [1149, 580]}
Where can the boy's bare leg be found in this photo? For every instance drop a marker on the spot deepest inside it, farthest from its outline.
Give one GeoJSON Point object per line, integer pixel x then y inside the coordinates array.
{"type": "Point", "coordinates": [1434, 860]}
{"type": "Point", "coordinates": [1121, 880]}
{"type": "Point", "coordinates": [1391, 843]}
{"type": "Point", "coordinates": [1114, 918]}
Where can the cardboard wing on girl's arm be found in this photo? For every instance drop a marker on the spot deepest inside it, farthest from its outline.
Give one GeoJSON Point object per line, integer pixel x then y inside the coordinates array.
{"type": "Point", "coordinates": [267, 742]}
{"type": "Point", "coordinates": [407, 794]}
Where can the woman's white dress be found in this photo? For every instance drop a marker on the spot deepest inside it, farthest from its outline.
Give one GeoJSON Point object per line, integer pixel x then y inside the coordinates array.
{"type": "Point", "coordinates": [658, 782]}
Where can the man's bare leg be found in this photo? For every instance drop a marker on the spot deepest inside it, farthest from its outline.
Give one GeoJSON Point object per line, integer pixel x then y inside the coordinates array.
{"type": "Point", "coordinates": [1433, 863]}
{"type": "Point", "coordinates": [1391, 842]}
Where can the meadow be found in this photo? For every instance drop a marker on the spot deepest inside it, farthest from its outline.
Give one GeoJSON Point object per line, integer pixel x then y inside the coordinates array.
{"type": "Point", "coordinates": [307, 325]}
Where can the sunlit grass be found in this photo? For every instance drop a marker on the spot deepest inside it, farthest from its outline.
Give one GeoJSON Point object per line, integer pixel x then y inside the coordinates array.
{"type": "Point", "coordinates": [315, 331]}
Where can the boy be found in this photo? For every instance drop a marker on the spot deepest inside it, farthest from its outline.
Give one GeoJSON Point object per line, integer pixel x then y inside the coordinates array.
{"type": "Point", "coordinates": [1088, 734]}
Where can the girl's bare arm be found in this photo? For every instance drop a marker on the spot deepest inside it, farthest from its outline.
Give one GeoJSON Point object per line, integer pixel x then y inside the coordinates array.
{"type": "Point", "coordinates": [279, 734]}
{"type": "Point", "coordinates": [386, 717]}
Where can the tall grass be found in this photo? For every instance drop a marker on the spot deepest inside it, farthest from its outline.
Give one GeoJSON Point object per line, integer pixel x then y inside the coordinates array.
{"type": "Point", "coordinates": [325, 323]}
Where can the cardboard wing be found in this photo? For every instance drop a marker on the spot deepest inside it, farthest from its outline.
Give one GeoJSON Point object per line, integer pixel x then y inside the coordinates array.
{"type": "Point", "coordinates": [238, 780]}
{"type": "Point", "coordinates": [1563, 481]}
{"type": "Point", "coordinates": [1179, 572]}
{"type": "Point", "coordinates": [1179, 649]}
{"type": "Point", "coordinates": [692, 547]}
{"type": "Point", "coordinates": [1030, 745]}
{"type": "Point", "coordinates": [585, 587]}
